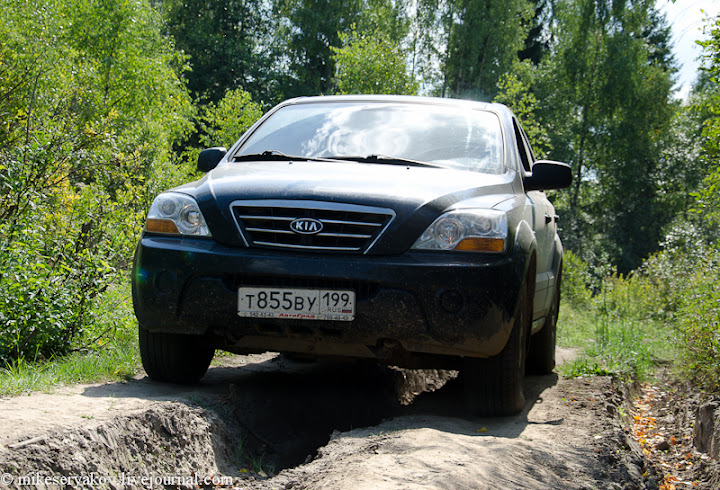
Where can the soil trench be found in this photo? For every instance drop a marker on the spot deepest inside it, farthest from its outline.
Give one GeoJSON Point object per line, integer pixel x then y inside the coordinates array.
{"type": "Point", "coordinates": [270, 422]}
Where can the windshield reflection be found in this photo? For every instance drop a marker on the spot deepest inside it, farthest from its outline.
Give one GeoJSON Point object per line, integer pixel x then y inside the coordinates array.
{"type": "Point", "coordinates": [451, 137]}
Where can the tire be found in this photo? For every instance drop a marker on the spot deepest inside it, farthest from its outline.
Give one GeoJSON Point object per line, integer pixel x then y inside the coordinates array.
{"type": "Point", "coordinates": [175, 358]}
{"type": "Point", "coordinates": [494, 386]}
{"type": "Point", "coordinates": [541, 355]}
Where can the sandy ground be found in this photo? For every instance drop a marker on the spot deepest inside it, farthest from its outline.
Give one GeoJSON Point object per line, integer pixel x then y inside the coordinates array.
{"type": "Point", "coordinates": [35, 414]}
{"type": "Point", "coordinates": [269, 422]}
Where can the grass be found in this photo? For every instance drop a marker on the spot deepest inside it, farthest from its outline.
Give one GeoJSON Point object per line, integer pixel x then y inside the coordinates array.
{"type": "Point", "coordinates": [249, 461]}
{"type": "Point", "coordinates": [665, 313]}
{"type": "Point", "coordinates": [575, 326]}
{"type": "Point", "coordinates": [113, 356]}
{"type": "Point", "coordinates": [105, 365]}
{"type": "Point", "coordinates": [613, 344]}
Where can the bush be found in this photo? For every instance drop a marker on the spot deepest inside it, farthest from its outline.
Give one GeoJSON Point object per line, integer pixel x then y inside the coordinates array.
{"type": "Point", "coordinates": [669, 308]}
{"type": "Point", "coordinates": [616, 319]}
{"type": "Point", "coordinates": [576, 281]}
{"type": "Point", "coordinates": [91, 103]}
{"type": "Point", "coordinates": [698, 322]}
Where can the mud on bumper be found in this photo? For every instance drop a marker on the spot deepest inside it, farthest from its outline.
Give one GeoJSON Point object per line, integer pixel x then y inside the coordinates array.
{"type": "Point", "coordinates": [416, 303]}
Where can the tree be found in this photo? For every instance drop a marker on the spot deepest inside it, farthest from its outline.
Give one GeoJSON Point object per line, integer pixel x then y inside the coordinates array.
{"type": "Point", "coordinates": [372, 64]}
{"type": "Point", "coordinates": [606, 92]}
{"type": "Point", "coordinates": [312, 28]}
{"type": "Point", "coordinates": [536, 43]}
{"type": "Point", "coordinates": [695, 240]}
{"type": "Point", "coordinates": [229, 44]}
{"type": "Point", "coordinates": [514, 90]}
{"type": "Point", "coordinates": [708, 106]}
{"type": "Point", "coordinates": [223, 123]}
{"type": "Point", "coordinates": [483, 41]}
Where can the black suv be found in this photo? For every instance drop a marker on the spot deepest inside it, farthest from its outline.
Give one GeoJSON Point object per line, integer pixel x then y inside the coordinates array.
{"type": "Point", "coordinates": [410, 230]}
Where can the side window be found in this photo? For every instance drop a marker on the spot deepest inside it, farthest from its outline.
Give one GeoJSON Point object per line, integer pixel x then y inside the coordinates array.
{"type": "Point", "coordinates": [527, 146]}
{"type": "Point", "coordinates": [525, 155]}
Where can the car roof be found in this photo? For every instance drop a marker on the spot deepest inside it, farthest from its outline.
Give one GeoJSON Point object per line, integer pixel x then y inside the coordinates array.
{"type": "Point", "coordinates": [410, 99]}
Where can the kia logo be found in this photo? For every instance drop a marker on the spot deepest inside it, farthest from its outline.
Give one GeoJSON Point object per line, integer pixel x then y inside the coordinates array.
{"type": "Point", "coordinates": [306, 226]}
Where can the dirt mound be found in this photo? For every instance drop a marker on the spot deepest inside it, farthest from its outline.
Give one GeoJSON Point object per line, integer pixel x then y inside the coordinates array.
{"type": "Point", "coordinates": [172, 440]}
{"type": "Point", "coordinates": [329, 424]}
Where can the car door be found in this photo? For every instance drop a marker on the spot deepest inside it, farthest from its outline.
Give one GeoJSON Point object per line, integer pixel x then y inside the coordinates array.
{"type": "Point", "coordinates": [544, 226]}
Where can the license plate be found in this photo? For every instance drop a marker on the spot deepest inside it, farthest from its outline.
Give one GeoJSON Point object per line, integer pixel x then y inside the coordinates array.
{"type": "Point", "coordinates": [304, 304]}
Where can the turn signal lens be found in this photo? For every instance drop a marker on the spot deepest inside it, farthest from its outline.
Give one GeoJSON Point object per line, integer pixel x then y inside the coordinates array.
{"type": "Point", "coordinates": [479, 244]}
{"type": "Point", "coordinates": [161, 226]}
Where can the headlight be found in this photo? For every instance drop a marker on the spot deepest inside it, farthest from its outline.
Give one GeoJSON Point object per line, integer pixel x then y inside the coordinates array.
{"type": "Point", "coordinates": [475, 230]}
{"type": "Point", "coordinates": [176, 213]}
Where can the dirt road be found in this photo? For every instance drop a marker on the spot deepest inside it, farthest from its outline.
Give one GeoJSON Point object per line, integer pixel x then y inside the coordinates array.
{"type": "Point", "coordinates": [269, 422]}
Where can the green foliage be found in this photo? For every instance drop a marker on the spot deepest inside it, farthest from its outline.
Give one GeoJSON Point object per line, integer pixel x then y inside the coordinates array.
{"type": "Point", "coordinates": [621, 329]}
{"type": "Point", "coordinates": [668, 309]}
{"type": "Point", "coordinates": [694, 242]}
{"type": "Point", "coordinates": [536, 45]}
{"type": "Point", "coordinates": [423, 40]}
{"type": "Point", "coordinates": [699, 325]}
{"type": "Point", "coordinates": [683, 163]}
{"type": "Point", "coordinates": [707, 203]}
{"type": "Point", "coordinates": [222, 124]}
{"type": "Point", "coordinates": [90, 102]}
{"type": "Point", "coordinates": [371, 64]}
{"type": "Point", "coordinates": [623, 347]}
{"type": "Point", "coordinates": [711, 105]}
{"type": "Point", "coordinates": [707, 105]}
{"type": "Point", "coordinates": [229, 44]}
{"type": "Point", "coordinates": [584, 366]}
{"type": "Point", "coordinates": [483, 41]}
{"type": "Point", "coordinates": [514, 91]}
{"type": "Point", "coordinates": [606, 92]}
{"type": "Point", "coordinates": [576, 281]}
{"type": "Point", "coordinates": [311, 28]}
{"type": "Point", "coordinates": [111, 352]}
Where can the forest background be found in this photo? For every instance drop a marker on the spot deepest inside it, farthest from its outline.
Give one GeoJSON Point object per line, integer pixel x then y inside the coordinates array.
{"type": "Point", "coordinates": [105, 103]}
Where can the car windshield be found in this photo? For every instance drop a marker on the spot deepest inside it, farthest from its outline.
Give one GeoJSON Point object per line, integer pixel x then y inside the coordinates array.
{"type": "Point", "coordinates": [444, 136]}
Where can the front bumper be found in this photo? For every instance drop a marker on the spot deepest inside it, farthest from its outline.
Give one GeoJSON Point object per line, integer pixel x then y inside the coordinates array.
{"type": "Point", "coordinates": [432, 303]}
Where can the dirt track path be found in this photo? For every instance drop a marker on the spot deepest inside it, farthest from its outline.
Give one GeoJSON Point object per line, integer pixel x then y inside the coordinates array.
{"type": "Point", "coordinates": [566, 437]}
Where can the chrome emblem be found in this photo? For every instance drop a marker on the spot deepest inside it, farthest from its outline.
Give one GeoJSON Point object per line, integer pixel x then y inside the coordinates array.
{"type": "Point", "coordinates": [306, 226]}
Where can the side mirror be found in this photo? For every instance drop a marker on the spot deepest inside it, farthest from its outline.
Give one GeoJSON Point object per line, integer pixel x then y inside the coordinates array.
{"type": "Point", "coordinates": [209, 158]}
{"type": "Point", "coordinates": [547, 174]}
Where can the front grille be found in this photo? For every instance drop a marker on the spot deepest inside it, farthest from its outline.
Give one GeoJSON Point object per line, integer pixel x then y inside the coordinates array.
{"type": "Point", "coordinates": [346, 228]}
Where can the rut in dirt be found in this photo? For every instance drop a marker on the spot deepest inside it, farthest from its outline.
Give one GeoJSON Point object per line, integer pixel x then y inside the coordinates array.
{"type": "Point", "coordinates": [285, 417]}
{"type": "Point", "coordinates": [265, 419]}
{"type": "Point", "coordinates": [278, 423]}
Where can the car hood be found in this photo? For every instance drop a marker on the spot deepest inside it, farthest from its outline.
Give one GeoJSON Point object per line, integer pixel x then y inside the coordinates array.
{"type": "Point", "coordinates": [417, 195]}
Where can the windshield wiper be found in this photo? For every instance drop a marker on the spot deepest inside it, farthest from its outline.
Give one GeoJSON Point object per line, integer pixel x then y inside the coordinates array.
{"type": "Point", "coordinates": [385, 160]}
{"type": "Point", "coordinates": [275, 156]}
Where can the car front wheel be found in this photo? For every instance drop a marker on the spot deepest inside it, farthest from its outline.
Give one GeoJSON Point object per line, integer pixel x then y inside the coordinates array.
{"type": "Point", "coordinates": [494, 386]}
{"type": "Point", "coordinates": [175, 358]}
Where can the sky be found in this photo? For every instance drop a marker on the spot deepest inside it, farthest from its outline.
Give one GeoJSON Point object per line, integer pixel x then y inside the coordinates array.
{"type": "Point", "coordinates": [687, 20]}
